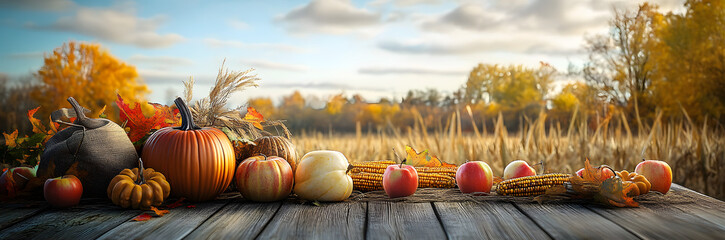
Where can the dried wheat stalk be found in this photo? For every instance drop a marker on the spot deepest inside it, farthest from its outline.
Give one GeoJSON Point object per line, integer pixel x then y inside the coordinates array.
{"type": "Point", "coordinates": [212, 111]}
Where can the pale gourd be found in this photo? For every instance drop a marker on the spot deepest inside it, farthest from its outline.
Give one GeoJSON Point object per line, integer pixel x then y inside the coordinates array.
{"type": "Point", "coordinates": [322, 176]}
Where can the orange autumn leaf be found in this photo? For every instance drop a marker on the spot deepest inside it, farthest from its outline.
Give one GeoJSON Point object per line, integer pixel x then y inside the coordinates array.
{"type": "Point", "coordinates": [139, 124]}
{"type": "Point", "coordinates": [158, 212]}
{"type": "Point", "coordinates": [423, 159]}
{"type": "Point", "coordinates": [10, 139]}
{"type": "Point", "coordinates": [614, 193]}
{"type": "Point", "coordinates": [142, 217]}
{"type": "Point", "coordinates": [254, 117]}
{"type": "Point", "coordinates": [591, 173]}
{"type": "Point", "coordinates": [37, 126]}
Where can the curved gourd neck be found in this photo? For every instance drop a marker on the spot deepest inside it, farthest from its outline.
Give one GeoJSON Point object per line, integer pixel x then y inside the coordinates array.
{"type": "Point", "coordinates": [81, 118]}
{"type": "Point", "coordinates": [187, 120]}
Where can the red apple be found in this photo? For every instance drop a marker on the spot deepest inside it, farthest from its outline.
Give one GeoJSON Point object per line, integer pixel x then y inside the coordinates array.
{"type": "Point", "coordinates": [265, 179]}
{"type": "Point", "coordinates": [658, 173]}
{"type": "Point", "coordinates": [606, 174]}
{"type": "Point", "coordinates": [400, 180]}
{"type": "Point", "coordinates": [517, 169]}
{"type": "Point", "coordinates": [63, 191]}
{"type": "Point", "coordinates": [474, 176]}
{"type": "Point", "coordinates": [20, 177]}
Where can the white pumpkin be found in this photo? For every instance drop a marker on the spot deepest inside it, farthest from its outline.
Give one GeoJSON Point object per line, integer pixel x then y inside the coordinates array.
{"type": "Point", "coordinates": [322, 176]}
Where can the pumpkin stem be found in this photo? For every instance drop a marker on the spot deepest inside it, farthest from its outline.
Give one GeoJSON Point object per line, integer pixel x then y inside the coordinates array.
{"type": "Point", "coordinates": [263, 155]}
{"type": "Point", "coordinates": [81, 118]}
{"type": "Point", "coordinates": [187, 120]}
{"type": "Point", "coordinates": [141, 179]}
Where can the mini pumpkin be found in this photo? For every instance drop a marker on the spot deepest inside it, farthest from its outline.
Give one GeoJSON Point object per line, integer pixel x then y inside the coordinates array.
{"type": "Point", "coordinates": [138, 191]}
{"type": "Point", "coordinates": [643, 185]}
{"type": "Point", "coordinates": [275, 146]}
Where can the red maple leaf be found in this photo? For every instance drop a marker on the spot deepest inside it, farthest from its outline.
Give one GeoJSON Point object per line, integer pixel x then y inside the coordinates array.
{"type": "Point", "coordinates": [140, 125]}
{"type": "Point", "coordinates": [176, 204]}
{"type": "Point", "coordinates": [142, 217]}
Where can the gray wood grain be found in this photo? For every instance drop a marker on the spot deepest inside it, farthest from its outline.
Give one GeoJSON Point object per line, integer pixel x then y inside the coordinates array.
{"type": "Point", "coordinates": [12, 213]}
{"type": "Point", "coordinates": [698, 198]}
{"type": "Point", "coordinates": [401, 220]}
{"type": "Point", "coordinates": [573, 221]}
{"type": "Point", "coordinates": [345, 220]}
{"type": "Point", "coordinates": [176, 224]}
{"type": "Point", "coordinates": [86, 221]}
{"type": "Point", "coordinates": [660, 221]}
{"type": "Point", "coordinates": [486, 220]}
{"type": "Point", "coordinates": [237, 220]}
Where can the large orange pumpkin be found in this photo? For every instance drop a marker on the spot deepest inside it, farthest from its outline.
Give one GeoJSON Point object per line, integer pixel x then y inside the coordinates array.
{"type": "Point", "coordinates": [198, 162]}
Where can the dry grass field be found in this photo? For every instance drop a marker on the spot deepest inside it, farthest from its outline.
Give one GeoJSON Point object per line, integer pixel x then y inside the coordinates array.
{"type": "Point", "coordinates": [695, 153]}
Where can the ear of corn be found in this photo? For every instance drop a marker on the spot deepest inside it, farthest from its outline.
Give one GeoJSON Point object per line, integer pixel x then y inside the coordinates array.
{"type": "Point", "coordinates": [532, 185]}
{"type": "Point", "coordinates": [368, 176]}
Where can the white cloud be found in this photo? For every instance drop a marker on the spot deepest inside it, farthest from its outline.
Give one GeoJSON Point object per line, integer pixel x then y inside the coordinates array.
{"type": "Point", "coordinates": [466, 16]}
{"type": "Point", "coordinates": [217, 43]}
{"type": "Point", "coordinates": [38, 5]}
{"type": "Point", "coordinates": [404, 3]}
{"type": "Point", "coordinates": [322, 85]}
{"type": "Point", "coordinates": [410, 71]}
{"type": "Point", "coordinates": [454, 44]}
{"type": "Point", "coordinates": [262, 64]}
{"type": "Point", "coordinates": [546, 27]}
{"type": "Point", "coordinates": [116, 26]}
{"type": "Point", "coordinates": [160, 60]}
{"type": "Point", "coordinates": [328, 16]}
{"type": "Point", "coordinates": [238, 25]}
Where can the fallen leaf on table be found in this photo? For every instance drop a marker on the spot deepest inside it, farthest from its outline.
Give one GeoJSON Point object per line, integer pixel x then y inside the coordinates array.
{"type": "Point", "coordinates": [176, 204]}
{"type": "Point", "coordinates": [158, 212]}
{"type": "Point", "coordinates": [142, 217]}
{"type": "Point", "coordinates": [613, 193]}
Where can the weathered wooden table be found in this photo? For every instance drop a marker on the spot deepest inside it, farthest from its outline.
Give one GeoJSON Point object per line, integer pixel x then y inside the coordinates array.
{"type": "Point", "coordinates": [435, 214]}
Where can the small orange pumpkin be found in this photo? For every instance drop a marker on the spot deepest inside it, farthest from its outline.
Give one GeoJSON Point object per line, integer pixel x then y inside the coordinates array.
{"type": "Point", "coordinates": [138, 189]}
{"type": "Point", "coordinates": [198, 162]}
{"type": "Point", "coordinates": [643, 185]}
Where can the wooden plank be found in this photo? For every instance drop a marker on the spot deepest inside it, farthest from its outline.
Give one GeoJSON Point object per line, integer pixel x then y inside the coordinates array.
{"type": "Point", "coordinates": [662, 221]}
{"type": "Point", "coordinates": [176, 224]}
{"type": "Point", "coordinates": [715, 215]}
{"type": "Point", "coordinates": [573, 221]}
{"type": "Point", "coordinates": [87, 221]}
{"type": "Point", "coordinates": [237, 220]}
{"type": "Point", "coordinates": [697, 197]}
{"type": "Point", "coordinates": [400, 220]}
{"type": "Point", "coordinates": [13, 213]}
{"type": "Point", "coordinates": [486, 220]}
{"type": "Point", "coordinates": [344, 220]}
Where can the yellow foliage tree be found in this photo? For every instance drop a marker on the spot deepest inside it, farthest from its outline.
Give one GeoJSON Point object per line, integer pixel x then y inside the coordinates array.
{"type": "Point", "coordinates": [89, 74]}
{"type": "Point", "coordinates": [263, 105]}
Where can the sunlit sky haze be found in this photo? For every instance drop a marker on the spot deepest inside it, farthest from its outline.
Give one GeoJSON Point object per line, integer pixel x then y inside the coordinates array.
{"type": "Point", "coordinates": [378, 48]}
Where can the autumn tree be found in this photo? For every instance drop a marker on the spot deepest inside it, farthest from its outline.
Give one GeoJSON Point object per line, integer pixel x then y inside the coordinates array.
{"type": "Point", "coordinates": [690, 61]}
{"type": "Point", "coordinates": [513, 86]}
{"type": "Point", "coordinates": [88, 73]}
{"type": "Point", "coordinates": [620, 64]}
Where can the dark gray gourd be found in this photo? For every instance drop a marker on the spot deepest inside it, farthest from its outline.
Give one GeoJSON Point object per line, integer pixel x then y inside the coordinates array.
{"type": "Point", "coordinates": [94, 157]}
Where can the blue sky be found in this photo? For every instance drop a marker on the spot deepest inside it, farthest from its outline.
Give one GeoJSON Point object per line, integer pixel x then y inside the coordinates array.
{"type": "Point", "coordinates": [377, 48]}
